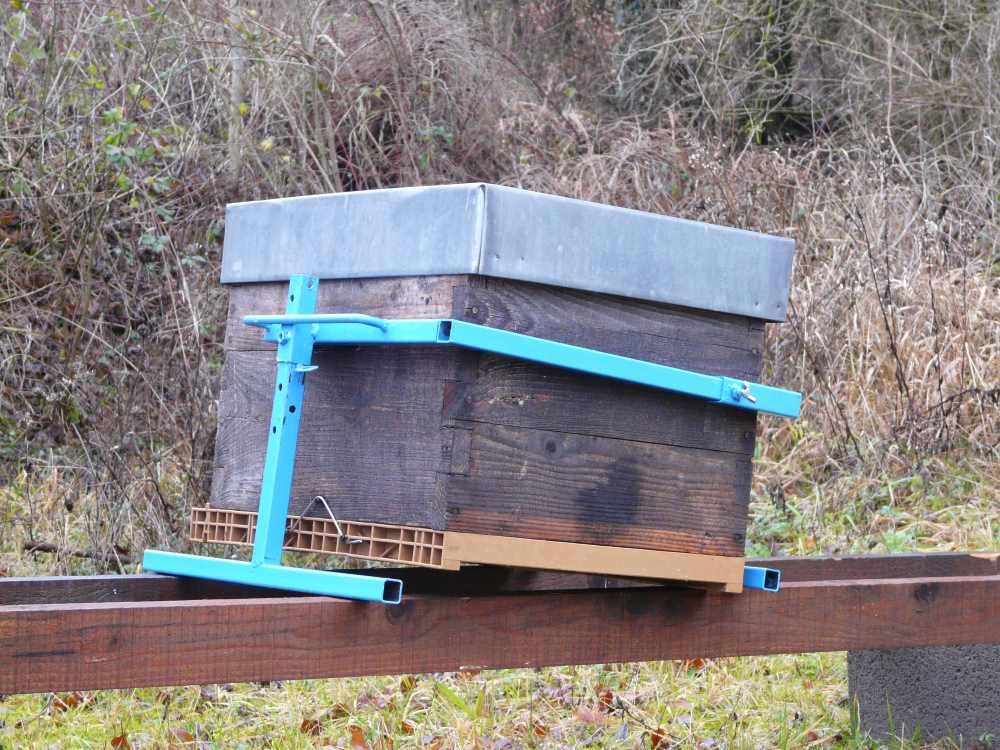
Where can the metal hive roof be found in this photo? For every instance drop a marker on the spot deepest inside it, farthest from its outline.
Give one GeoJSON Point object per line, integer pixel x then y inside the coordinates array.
{"type": "Point", "coordinates": [509, 233]}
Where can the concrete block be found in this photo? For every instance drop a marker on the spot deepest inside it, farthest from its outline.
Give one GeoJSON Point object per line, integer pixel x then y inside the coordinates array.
{"type": "Point", "coordinates": [944, 692]}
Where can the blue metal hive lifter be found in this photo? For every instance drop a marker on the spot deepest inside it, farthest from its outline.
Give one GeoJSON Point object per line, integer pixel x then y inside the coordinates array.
{"type": "Point", "coordinates": [295, 334]}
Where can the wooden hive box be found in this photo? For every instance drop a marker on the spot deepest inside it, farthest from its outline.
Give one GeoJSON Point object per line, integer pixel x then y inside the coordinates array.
{"type": "Point", "coordinates": [440, 456]}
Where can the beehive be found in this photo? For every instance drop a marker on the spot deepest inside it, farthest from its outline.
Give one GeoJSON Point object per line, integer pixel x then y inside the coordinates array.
{"type": "Point", "coordinates": [440, 456]}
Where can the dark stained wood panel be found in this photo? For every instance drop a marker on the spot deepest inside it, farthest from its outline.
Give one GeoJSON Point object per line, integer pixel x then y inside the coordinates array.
{"type": "Point", "coordinates": [550, 485]}
{"type": "Point", "coordinates": [444, 438]}
{"type": "Point", "coordinates": [713, 343]}
{"type": "Point", "coordinates": [410, 297]}
{"type": "Point", "coordinates": [369, 440]}
{"type": "Point", "coordinates": [521, 394]}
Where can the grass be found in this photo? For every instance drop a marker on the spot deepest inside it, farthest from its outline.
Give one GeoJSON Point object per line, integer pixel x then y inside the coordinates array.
{"type": "Point", "coordinates": [786, 702]}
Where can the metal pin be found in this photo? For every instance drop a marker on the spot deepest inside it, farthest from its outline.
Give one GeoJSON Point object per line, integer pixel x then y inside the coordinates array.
{"type": "Point", "coordinates": [336, 523]}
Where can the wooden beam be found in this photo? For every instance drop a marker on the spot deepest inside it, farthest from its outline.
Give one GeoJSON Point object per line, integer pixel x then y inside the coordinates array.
{"type": "Point", "coordinates": [486, 579]}
{"type": "Point", "coordinates": [907, 565]}
{"type": "Point", "coordinates": [78, 646]}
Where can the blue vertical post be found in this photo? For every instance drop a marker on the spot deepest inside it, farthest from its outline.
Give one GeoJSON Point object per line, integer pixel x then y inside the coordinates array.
{"type": "Point", "coordinates": [295, 346]}
{"type": "Point", "coordinates": [294, 357]}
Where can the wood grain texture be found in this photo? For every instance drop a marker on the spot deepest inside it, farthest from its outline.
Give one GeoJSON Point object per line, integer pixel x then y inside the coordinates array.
{"type": "Point", "coordinates": [134, 644]}
{"type": "Point", "coordinates": [443, 438]}
{"type": "Point", "coordinates": [715, 343]}
{"type": "Point", "coordinates": [871, 567]}
{"type": "Point", "coordinates": [485, 580]}
{"type": "Point", "coordinates": [550, 485]}
{"type": "Point", "coordinates": [520, 394]}
{"type": "Point", "coordinates": [592, 558]}
{"type": "Point", "coordinates": [410, 297]}
{"type": "Point", "coordinates": [112, 588]}
{"type": "Point", "coordinates": [560, 456]}
{"type": "Point", "coordinates": [369, 440]}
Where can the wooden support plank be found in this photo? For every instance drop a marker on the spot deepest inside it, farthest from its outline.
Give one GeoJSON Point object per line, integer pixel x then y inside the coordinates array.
{"type": "Point", "coordinates": [133, 644]}
{"type": "Point", "coordinates": [486, 580]}
{"type": "Point", "coordinates": [17, 591]}
{"type": "Point", "coordinates": [489, 579]}
{"type": "Point", "coordinates": [582, 558]}
{"type": "Point", "coordinates": [902, 565]}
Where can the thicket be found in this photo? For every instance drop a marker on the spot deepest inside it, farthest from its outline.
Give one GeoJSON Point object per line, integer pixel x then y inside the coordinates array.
{"type": "Point", "coordinates": [868, 133]}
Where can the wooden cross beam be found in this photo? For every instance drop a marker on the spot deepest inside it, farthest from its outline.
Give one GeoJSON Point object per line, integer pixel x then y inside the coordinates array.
{"type": "Point", "coordinates": [133, 631]}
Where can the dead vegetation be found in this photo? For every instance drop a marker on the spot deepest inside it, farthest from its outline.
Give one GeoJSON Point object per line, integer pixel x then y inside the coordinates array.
{"type": "Point", "coordinates": [869, 135]}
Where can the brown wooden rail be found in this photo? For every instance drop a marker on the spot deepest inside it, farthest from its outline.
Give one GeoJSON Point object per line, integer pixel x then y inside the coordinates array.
{"type": "Point", "coordinates": [132, 631]}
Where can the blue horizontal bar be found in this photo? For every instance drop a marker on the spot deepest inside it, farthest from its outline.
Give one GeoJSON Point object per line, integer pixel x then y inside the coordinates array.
{"type": "Point", "coordinates": [765, 579]}
{"type": "Point", "coordinates": [366, 329]}
{"type": "Point", "coordinates": [324, 582]}
{"type": "Point", "coordinates": [351, 331]}
{"type": "Point", "coordinates": [265, 321]}
{"type": "Point", "coordinates": [586, 360]}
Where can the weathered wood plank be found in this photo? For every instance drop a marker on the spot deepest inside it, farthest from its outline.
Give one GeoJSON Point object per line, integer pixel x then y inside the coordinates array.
{"type": "Point", "coordinates": [369, 439]}
{"type": "Point", "coordinates": [521, 394]}
{"type": "Point", "coordinates": [410, 297]}
{"type": "Point", "coordinates": [699, 340]}
{"type": "Point", "coordinates": [906, 565]}
{"type": "Point", "coordinates": [485, 580]}
{"type": "Point", "coordinates": [112, 588]}
{"type": "Point", "coordinates": [123, 645]}
{"type": "Point", "coordinates": [713, 571]}
{"type": "Point", "coordinates": [550, 485]}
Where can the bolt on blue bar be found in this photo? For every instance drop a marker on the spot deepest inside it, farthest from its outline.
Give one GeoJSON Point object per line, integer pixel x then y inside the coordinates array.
{"type": "Point", "coordinates": [765, 579]}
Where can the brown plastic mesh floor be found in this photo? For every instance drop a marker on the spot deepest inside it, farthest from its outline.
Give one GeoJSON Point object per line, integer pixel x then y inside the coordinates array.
{"type": "Point", "coordinates": [367, 541]}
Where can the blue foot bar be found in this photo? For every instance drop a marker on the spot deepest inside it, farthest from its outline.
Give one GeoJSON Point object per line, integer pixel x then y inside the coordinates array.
{"type": "Point", "coordinates": [333, 583]}
{"type": "Point", "coordinates": [299, 330]}
{"type": "Point", "coordinates": [765, 579]}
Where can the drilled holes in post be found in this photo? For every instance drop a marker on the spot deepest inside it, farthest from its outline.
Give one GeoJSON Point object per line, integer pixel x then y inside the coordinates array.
{"type": "Point", "coordinates": [291, 409]}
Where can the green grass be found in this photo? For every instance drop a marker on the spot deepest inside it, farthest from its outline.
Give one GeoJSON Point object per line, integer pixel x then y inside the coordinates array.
{"type": "Point", "coordinates": [786, 702]}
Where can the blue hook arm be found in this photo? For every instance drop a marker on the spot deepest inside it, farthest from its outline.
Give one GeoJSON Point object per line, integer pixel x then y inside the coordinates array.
{"type": "Point", "coordinates": [266, 321]}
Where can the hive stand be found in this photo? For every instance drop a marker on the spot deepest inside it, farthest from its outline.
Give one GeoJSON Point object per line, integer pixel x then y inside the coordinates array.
{"type": "Point", "coordinates": [295, 335]}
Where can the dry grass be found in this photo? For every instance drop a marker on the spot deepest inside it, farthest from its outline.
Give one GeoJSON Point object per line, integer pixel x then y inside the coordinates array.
{"type": "Point", "coordinates": [755, 702]}
{"type": "Point", "coordinates": [867, 134]}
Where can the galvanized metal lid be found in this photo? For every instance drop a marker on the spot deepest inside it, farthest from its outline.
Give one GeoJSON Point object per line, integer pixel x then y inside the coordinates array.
{"type": "Point", "coordinates": [512, 234]}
